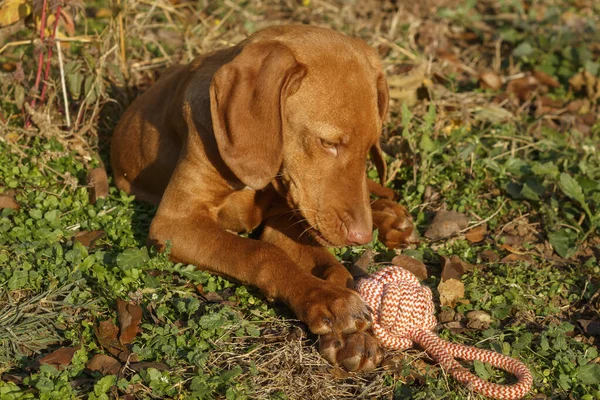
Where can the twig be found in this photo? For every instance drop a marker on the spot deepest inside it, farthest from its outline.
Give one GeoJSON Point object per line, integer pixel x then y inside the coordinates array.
{"type": "Point", "coordinates": [400, 49]}
{"type": "Point", "coordinates": [38, 75]}
{"type": "Point", "coordinates": [49, 55]}
{"type": "Point", "coordinates": [512, 151]}
{"type": "Point", "coordinates": [80, 39]}
{"type": "Point", "coordinates": [122, 41]}
{"type": "Point", "coordinates": [62, 82]}
{"type": "Point", "coordinates": [483, 221]}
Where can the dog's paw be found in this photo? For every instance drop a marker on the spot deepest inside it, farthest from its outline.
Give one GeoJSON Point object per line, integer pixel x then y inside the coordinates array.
{"type": "Point", "coordinates": [357, 351]}
{"type": "Point", "coordinates": [328, 308]}
{"type": "Point", "coordinates": [395, 225]}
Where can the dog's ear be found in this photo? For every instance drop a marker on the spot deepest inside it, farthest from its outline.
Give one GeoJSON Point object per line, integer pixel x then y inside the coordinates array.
{"type": "Point", "coordinates": [383, 100]}
{"type": "Point", "coordinates": [247, 102]}
{"type": "Point", "coordinates": [377, 157]}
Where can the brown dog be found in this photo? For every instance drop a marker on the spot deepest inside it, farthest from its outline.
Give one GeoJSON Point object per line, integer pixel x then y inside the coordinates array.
{"type": "Point", "coordinates": [274, 132]}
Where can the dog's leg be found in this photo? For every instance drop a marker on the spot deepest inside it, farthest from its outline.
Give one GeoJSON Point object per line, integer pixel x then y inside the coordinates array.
{"type": "Point", "coordinates": [356, 351]}
{"type": "Point", "coordinates": [197, 238]}
{"type": "Point", "coordinates": [395, 224]}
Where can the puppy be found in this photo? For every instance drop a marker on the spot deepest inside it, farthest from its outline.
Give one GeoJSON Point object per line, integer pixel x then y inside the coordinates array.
{"type": "Point", "coordinates": [272, 133]}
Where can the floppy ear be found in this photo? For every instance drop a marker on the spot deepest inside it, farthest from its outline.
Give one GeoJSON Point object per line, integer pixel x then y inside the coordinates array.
{"type": "Point", "coordinates": [247, 100]}
{"type": "Point", "coordinates": [383, 100]}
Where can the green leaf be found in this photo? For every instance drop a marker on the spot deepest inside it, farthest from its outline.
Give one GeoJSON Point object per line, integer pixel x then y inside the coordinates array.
{"type": "Point", "coordinates": [35, 213]}
{"type": "Point", "coordinates": [589, 374]}
{"type": "Point", "coordinates": [563, 242]}
{"type": "Point", "coordinates": [133, 258]}
{"type": "Point", "coordinates": [211, 321]}
{"type": "Point", "coordinates": [546, 169]}
{"type": "Point", "coordinates": [426, 144]}
{"type": "Point", "coordinates": [523, 50]}
{"type": "Point", "coordinates": [481, 370]}
{"type": "Point", "coordinates": [51, 215]}
{"type": "Point", "coordinates": [571, 188]}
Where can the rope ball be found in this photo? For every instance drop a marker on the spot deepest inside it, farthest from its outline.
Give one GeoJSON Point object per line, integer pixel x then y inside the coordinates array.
{"type": "Point", "coordinates": [403, 314]}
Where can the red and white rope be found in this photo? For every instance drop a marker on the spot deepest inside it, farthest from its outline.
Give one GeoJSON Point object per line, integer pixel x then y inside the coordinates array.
{"type": "Point", "coordinates": [404, 313]}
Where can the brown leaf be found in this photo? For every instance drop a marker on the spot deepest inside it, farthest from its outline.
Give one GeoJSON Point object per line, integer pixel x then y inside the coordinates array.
{"type": "Point", "coordinates": [97, 184]}
{"type": "Point", "coordinates": [138, 366]}
{"type": "Point", "coordinates": [445, 224]}
{"type": "Point", "coordinates": [88, 239]}
{"type": "Point", "coordinates": [478, 319]}
{"type": "Point", "coordinates": [445, 316]}
{"type": "Point", "coordinates": [490, 80]}
{"type": "Point", "coordinates": [210, 296]}
{"type": "Point", "coordinates": [104, 364]}
{"type": "Point", "coordinates": [514, 257]}
{"type": "Point", "coordinates": [61, 357]}
{"type": "Point", "coordinates": [411, 264]}
{"type": "Point", "coordinates": [359, 268]}
{"type": "Point", "coordinates": [546, 79]}
{"type": "Point", "coordinates": [107, 333]}
{"type": "Point", "coordinates": [451, 291]}
{"type": "Point", "coordinates": [452, 268]}
{"type": "Point", "coordinates": [130, 316]}
{"type": "Point", "coordinates": [522, 87]}
{"type": "Point", "coordinates": [584, 80]}
{"type": "Point", "coordinates": [477, 234]}
{"type": "Point", "coordinates": [489, 255]}
{"type": "Point", "coordinates": [7, 201]}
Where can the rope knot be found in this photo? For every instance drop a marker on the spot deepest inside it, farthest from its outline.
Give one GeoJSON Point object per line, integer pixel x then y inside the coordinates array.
{"type": "Point", "coordinates": [400, 305]}
{"type": "Point", "coordinates": [403, 313]}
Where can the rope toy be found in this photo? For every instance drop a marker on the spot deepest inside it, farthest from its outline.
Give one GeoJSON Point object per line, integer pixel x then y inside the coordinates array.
{"type": "Point", "coordinates": [404, 313]}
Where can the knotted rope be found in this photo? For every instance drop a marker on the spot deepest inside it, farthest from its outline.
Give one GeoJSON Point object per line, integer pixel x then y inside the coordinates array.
{"type": "Point", "coordinates": [404, 313]}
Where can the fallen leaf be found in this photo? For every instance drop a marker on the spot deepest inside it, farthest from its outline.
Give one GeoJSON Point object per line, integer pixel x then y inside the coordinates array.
{"type": "Point", "coordinates": [514, 257]}
{"type": "Point", "coordinates": [489, 255]}
{"type": "Point", "coordinates": [209, 296]}
{"type": "Point", "coordinates": [97, 184]}
{"type": "Point", "coordinates": [584, 80]}
{"type": "Point", "coordinates": [445, 316]}
{"type": "Point", "coordinates": [478, 319]}
{"type": "Point", "coordinates": [452, 268]}
{"type": "Point", "coordinates": [130, 316]}
{"type": "Point", "coordinates": [107, 333]}
{"type": "Point", "coordinates": [138, 366]}
{"type": "Point", "coordinates": [411, 264]}
{"type": "Point", "coordinates": [7, 201]}
{"type": "Point", "coordinates": [104, 364]}
{"type": "Point", "coordinates": [61, 357]}
{"type": "Point", "coordinates": [359, 268]}
{"type": "Point", "coordinates": [88, 239]}
{"type": "Point", "coordinates": [546, 79]}
{"type": "Point", "coordinates": [490, 80]}
{"type": "Point", "coordinates": [477, 234]}
{"type": "Point", "coordinates": [451, 291]}
{"type": "Point", "coordinates": [445, 224]}
{"type": "Point", "coordinates": [522, 87]}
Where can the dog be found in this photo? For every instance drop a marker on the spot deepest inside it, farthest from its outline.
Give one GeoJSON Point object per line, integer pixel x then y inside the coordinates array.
{"type": "Point", "coordinates": [272, 134]}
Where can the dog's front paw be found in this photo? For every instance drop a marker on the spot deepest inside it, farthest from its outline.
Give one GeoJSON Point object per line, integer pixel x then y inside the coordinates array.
{"type": "Point", "coordinates": [357, 351]}
{"type": "Point", "coordinates": [395, 225]}
{"type": "Point", "coordinates": [327, 308]}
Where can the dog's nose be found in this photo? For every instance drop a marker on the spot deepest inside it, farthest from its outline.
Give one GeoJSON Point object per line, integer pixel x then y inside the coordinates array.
{"type": "Point", "coordinates": [357, 236]}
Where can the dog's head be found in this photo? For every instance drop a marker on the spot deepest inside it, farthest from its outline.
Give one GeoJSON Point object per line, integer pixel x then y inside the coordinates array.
{"type": "Point", "coordinates": [302, 108]}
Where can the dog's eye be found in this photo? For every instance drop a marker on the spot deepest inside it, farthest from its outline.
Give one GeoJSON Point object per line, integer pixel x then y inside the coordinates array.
{"type": "Point", "coordinates": [329, 146]}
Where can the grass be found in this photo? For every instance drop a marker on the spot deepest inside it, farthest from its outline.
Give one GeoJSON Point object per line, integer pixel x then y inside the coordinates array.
{"type": "Point", "coordinates": [521, 159]}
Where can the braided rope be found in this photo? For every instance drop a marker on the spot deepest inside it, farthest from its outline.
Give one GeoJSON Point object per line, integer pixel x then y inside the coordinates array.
{"type": "Point", "coordinates": [404, 313]}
